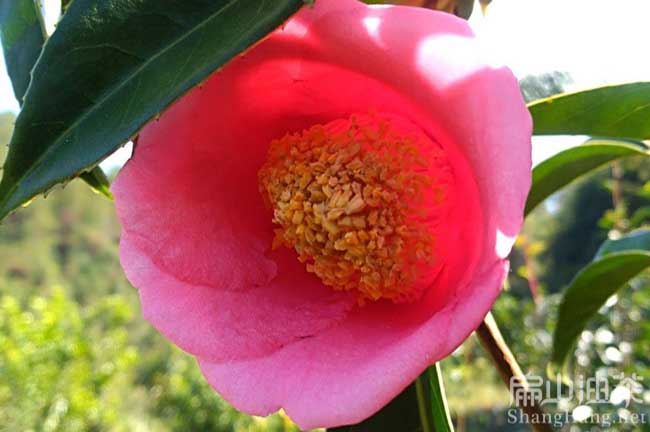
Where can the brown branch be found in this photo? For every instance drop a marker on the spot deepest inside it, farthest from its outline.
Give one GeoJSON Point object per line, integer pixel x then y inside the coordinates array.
{"type": "Point", "coordinates": [505, 362]}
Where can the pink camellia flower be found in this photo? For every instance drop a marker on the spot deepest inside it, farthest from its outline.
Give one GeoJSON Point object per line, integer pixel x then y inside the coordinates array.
{"type": "Point", "coordinates": [331, 212]}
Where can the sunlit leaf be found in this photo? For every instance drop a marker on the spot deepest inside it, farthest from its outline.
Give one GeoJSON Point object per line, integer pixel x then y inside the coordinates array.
{"type": "Point", "coordinates": [588, 292]}
{"type": "Point", "coordinates": [434, 412]}
{"type": "Point", "coordinates": [618, 111]}
{"type": "Point", "coordinates": [568, 165]}
{"type": "Point", "coordinates": [109, 68]}
{"type": "Point", "coordinates": [636, 240]}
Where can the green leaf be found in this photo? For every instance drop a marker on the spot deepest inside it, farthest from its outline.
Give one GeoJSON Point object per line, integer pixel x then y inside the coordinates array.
{"type": "Point", "coordinates": [97, 180]}
{"type": "Point", "coordinates": [400, 414]}
{"type": "Point", "coordinates": [22, 23]}
{"type": "Point", "coordinates": [22, 38]}
{"type": "Point", "coordinates": [641, 216]}
{"type": "Point", "coordinates": [635, 240]}
{"type": "Point", "coordinates": [588, 292]}
{"type": "Point", "coordinates": [619, 111]}
{"type": "Point", "coordinates": [65, 4]}
{"type": "Point", "coordinates": [432, 401]}
{"type": "Point", "coordinates": [421, 407]}
{"type": "Point", "coordinates": [616, 262]}
{"type": "Point", "coordinates": [563, 168]}
{"type": "Point", "coordinates": [109, 68]}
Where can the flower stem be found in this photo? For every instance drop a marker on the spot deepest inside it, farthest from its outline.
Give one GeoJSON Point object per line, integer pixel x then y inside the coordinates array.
{"type": "Point", "coordinates": [492, 340]}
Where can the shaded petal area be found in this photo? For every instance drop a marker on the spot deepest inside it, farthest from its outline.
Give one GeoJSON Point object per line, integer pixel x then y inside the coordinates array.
{"type": "Point", "coordinates": [225, 325]}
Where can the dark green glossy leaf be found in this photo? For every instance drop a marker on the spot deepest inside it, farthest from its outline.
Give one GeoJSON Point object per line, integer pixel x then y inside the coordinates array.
{"type": "Point", "coordinates": [588, 292]}
{"type": "Point", "coordinates": [65, 4]}
{"type": "Point", "coordinates": [112, 66]}
{"type": "Point", "coordinates": [22, 38]}
{"type": "Point", "coordinates": [636, 240]}
{"type": "Point", "coordinates": [566, 166]}
{"type": "Point", "coordinates": [97, 180]}
{"type": "Point", "coordinates": [619, 111]}
{"type": "Point", "coordinates": [399, 414]}
{"type": "Point", "coordinates": [421, 407]}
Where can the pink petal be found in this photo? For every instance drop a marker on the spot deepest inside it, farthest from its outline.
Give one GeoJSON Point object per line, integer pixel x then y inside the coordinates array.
{"type": "Point", "coordinates": [224, 325]}
{"type": "Point", "coordinates": [443, 82]}
{"type": "Point", "coordinates": [188, 200]}
{"type": "Point", "coordinates": [345, 374]}
{"type": "Point", "coordinates": [196, 234]}
{"type": "Point", "coordinates": [475, 111]}
{"type": "Point", "coordinates": [196, 239]}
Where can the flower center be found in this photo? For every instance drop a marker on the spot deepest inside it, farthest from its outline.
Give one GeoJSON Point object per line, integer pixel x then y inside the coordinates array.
{"type": "Point", "coordinates": [358, 199]}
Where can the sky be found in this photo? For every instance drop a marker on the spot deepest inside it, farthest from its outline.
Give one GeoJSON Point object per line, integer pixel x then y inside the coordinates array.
{"type": "Point", "coordinates": [596, 41]}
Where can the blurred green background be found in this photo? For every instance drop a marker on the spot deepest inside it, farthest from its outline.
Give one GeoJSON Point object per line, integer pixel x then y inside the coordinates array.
{"type": "Point", "coordinates": [76, 355]}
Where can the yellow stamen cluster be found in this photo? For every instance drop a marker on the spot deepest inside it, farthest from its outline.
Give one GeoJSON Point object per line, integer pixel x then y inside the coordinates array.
{"type": "Point", "coordinates": [349, 198]}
